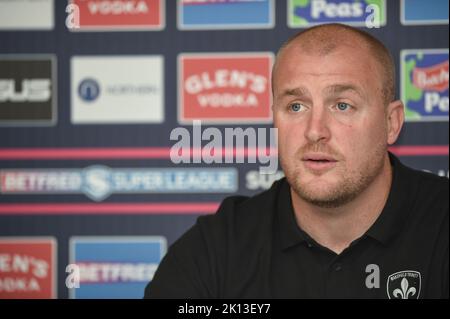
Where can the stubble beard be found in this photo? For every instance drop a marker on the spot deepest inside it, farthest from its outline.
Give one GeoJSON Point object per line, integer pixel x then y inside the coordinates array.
{"type": "Point", "coordinates": [352, 182]}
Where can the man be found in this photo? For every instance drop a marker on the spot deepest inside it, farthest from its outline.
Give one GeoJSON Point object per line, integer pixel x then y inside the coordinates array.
{"type": "Point", "coordinates": [349, 220]}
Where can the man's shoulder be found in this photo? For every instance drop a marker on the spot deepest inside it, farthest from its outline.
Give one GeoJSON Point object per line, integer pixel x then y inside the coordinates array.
{"type": "Point", "coordinates": [428, 185]}
{"type": "Point", "coordinates": [243, 213]}
{"type": "Point", "coordinates": [259, 203]}
{"type": "Point", "coordinates": [428, 197]}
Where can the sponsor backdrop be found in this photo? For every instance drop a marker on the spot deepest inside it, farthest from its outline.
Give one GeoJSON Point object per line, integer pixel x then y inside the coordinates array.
{"type": "Point", "coordinates": [90, 91]}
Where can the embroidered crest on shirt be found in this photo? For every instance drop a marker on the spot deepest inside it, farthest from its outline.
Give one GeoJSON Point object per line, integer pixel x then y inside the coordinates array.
{"type": "Point", "coordinates": [404, 285]}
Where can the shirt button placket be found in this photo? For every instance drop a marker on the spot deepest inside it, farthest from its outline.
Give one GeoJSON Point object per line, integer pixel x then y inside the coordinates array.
{"type": "Point", "coordinates": [334, 280]}
{"type": "Point", "coordinates": [337, 267]}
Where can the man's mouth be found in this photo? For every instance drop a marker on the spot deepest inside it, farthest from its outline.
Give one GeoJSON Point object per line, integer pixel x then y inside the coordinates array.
{"type": "Point", "coordinates": [319, 162]}
{"type": "Point", "coordinates": [316, 157]}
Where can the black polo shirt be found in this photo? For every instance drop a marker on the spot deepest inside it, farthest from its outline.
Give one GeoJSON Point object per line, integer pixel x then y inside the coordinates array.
{"type": "Point", "coordinates": [253, 248]}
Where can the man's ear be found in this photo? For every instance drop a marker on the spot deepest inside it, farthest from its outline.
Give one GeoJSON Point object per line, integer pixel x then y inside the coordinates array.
{"type": "Point", "coordinates": [395, 119]}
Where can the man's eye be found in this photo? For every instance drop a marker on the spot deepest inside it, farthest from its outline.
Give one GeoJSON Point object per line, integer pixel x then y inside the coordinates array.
{"type": "Point", "coordinates": [343, 106]}
{"type": "Point", "coordinates": [295, 107]}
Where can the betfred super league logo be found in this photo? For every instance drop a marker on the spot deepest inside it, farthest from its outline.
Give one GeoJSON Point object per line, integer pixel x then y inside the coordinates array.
{"type": "Point", "coordinates": [424, 87]}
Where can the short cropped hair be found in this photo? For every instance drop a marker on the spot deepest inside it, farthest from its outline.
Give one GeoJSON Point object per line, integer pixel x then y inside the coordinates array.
{"type": "Point", "coordinates": [326, 38]}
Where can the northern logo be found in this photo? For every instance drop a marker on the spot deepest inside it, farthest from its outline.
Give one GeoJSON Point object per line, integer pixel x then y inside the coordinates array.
{"type": "Point", "coordinates": [89, 90]}
{"type": "Point", "coordinates": [117, 89]}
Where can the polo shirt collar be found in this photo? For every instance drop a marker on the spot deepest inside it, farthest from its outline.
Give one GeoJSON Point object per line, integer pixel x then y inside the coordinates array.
{"type": "Point", "coordinates": [290, 233]}
{"type": "Point", "coordinates": [397, 207]}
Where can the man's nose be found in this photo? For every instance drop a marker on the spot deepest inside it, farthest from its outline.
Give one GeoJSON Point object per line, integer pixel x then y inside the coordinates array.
{"type": "Point", "coordinates": [317, 128]}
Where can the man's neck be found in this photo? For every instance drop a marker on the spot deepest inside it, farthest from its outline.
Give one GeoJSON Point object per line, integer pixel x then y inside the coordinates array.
{"type": "Point", "coordinates": [336, 228]}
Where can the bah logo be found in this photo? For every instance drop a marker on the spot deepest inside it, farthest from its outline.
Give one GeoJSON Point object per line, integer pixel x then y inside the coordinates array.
{"type": "Point", "coordinates": [404, 285]}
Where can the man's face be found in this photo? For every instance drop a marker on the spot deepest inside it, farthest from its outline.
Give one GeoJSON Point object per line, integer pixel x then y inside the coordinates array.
{"type": "Point", "coordinates": [331, 123]}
